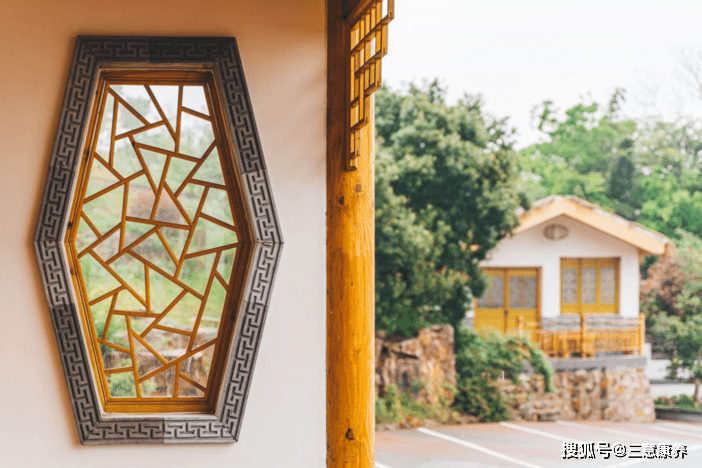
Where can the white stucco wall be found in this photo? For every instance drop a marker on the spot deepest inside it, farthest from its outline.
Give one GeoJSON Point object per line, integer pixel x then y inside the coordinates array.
{"type": "Point", "coordinates": [283, 49]}
{"type": "Point", "coordinates": [531, 249]}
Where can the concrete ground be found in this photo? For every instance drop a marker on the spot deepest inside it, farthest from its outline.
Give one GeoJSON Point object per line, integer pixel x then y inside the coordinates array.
{"type": "Point", "coordinates": [535, 445]}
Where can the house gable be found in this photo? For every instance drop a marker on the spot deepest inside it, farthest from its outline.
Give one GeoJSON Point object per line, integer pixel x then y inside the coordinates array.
{"type": "Point", "coordinates": [529, 248]}
{"type": "Point", "coordinates": [646, 240]}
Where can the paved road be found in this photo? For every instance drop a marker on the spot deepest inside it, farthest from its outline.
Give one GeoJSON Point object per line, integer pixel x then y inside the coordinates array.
{"type": "Point", "coordinates": [534, 445]}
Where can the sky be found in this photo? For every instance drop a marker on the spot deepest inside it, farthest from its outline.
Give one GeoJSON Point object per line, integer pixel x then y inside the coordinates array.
{"type": "Point", "coordinates": [517, 53]}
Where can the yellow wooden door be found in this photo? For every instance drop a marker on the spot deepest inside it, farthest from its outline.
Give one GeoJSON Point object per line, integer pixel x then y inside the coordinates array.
{"type": "Point", "coordinates": [490, 310]}
{"type": "Point", "coordinates": [511, 293]}
{"type": "Point", "coordinates": [523, 297]}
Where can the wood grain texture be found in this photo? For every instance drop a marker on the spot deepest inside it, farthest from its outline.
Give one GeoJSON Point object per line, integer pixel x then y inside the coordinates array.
{"type": "Point", "coordinates": [350, 270]}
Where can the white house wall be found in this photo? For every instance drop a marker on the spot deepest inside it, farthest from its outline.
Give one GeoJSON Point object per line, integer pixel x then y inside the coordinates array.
{"type": "Point", "coordinates": [531, 249]}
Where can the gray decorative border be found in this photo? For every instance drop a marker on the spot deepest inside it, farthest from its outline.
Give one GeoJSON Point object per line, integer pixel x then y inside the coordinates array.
{"type": "Point", "coordinates": [90, 55]}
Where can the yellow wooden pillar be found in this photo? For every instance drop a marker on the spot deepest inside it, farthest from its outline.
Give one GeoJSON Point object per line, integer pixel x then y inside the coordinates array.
{"type": "Point", "coordinates": [350, 269]}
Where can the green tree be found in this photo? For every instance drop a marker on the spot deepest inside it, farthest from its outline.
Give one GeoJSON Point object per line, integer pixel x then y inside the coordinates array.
{"type": "Point", "coordinates": [446, 193]}
{"type": "Point", "coordinates": [646, 171]}
{"type": "Point", "coordinates": [679, 319]}
{"type": "Point", "coordinates": [669, 155]}
{"type": "Point", "coordinates": [588, 153]}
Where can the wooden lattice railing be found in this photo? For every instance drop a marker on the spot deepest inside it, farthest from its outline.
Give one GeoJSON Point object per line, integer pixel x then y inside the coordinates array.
{"type": "Point", "coordinates": [586, 342]}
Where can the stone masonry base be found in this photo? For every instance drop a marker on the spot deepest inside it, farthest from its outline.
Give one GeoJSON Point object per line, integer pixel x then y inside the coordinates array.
{"type": "Point", "coordinates": [583, 394]}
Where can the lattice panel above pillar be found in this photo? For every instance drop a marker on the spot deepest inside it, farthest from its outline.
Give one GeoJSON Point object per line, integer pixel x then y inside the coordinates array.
{"type": "Point", "coordinates": [368, 30]}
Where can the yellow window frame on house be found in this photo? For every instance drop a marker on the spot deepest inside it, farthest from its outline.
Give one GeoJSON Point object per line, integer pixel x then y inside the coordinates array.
{"type": "Point", "coordinates": [590, 285]}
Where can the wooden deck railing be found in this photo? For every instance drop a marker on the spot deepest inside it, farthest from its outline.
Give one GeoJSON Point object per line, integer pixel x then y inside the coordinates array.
{"type": "Point", "coordinates": [585, 342]}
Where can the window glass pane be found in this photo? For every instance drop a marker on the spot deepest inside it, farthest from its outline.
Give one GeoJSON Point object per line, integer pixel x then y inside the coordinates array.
{"type": "Point", "coordinates": [522, 292]}
{"type": "Point", "coordinates": [608, 283]}
{"type": "Point", "coordinates": [589, 286]}
{"type": "Point", "coordinates": [494, 296]}
{"type": "Point", "coordinates": [569, 286]}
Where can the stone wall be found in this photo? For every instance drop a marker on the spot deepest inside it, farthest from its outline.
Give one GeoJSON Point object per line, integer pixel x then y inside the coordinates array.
{"type": "Point", "coordinates": [528, 401]}
{"type": "Point", "coordinates": [583, 394]}
{"type": "Point", "coordinates": [425, 364]}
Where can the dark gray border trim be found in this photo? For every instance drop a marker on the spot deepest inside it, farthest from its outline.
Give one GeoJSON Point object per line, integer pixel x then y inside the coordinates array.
{"type": "Point", "coordinates": [92, 53]}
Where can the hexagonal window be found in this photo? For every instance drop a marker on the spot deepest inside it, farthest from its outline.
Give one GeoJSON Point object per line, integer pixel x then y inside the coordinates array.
{"type": "Point", "coordinates": [157, 239]}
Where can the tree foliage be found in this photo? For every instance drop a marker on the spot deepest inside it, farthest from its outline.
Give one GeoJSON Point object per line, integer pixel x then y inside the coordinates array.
{"type": "Point", "coordinates": [672, 296]}
{"type": "Point", "coordinates": [645, 171]}
{"type": "Point", "coordinates": [482, 360]}
{"type": "Point", "coordinates": [445, 195]}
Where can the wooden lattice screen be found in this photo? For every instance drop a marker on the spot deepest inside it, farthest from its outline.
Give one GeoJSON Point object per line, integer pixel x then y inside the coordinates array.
{"type": "Point", "coordinates": [368, 45]}
{"type": "Point", "coordinates": [154, 240]}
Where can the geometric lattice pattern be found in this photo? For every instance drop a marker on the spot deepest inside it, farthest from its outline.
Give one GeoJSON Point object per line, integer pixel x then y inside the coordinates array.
{"type": "Point", "coordinates": [569, 286]}
{"type": "Point", "coordinates": [522, 292]}
{"type": "Point", "coordinates": [608, 282]}
{"type": "Point", "coordinates": [589, 286]}
{"type": "Point", "coordinates": [511, 300]}
{"type": "Point", "coordinates": [494, 295]}
{"type": "Point", "coordinates": [155, 243]}
{"type": "Point", "coordinates": [141, 191]}
{"type": "Point", "coordinates": [368, 45]}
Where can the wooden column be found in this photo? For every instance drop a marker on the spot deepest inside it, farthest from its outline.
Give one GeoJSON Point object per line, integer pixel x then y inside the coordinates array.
{"type": "Point", "coordinates": [350, 270]}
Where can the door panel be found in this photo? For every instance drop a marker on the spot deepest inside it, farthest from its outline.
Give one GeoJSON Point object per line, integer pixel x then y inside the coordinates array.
{"type": "Point", "coordinates": [512, 292]}
{"type": "Point", "coordinates": [490, 310]}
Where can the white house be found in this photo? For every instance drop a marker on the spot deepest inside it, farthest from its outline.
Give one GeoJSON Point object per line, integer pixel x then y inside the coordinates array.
{"type": "Point", "coordinates": [567, 260]}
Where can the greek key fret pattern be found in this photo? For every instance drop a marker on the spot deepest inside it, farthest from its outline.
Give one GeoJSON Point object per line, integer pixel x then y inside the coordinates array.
{"type": "Point", "coordinates": [243, 359]}
{"type": "Point", "coordinates": [189, 431]}
{"type": "Point", "coordinates": [188, 49]}
{"type": "Point", "coordinates": [248, 146]}
{"type": "Point", "coordinates": [146, 431]}
{"type": "Point", "coordinates": [90, 55]}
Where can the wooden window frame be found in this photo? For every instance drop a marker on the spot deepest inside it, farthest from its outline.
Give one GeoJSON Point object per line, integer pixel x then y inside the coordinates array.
{"type": "Point", "coordinates": [598, 307]}
{"type": "Point", "coordinates": [219, 56]}
{"type": "Point", "coordinates": [110, 404]}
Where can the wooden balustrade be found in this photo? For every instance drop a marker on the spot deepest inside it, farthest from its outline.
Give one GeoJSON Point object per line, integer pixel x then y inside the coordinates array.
{"type": "Point", "coordinates": [586, 341]}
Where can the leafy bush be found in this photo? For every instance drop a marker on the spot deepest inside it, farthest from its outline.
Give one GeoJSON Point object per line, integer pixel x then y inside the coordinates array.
{"type": "Point", "coordinates": [483, 359]}
{"type": "Point", "coordinates": [397, 406]}
{"type": "Point", "coordinates": [680, 401]}
{"type": "Point", "coordinates": [480, 397]}
{"type": "Point", "coordinates": [388, 409]}
{"type": "Point", "coordinates": [675, 313]}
